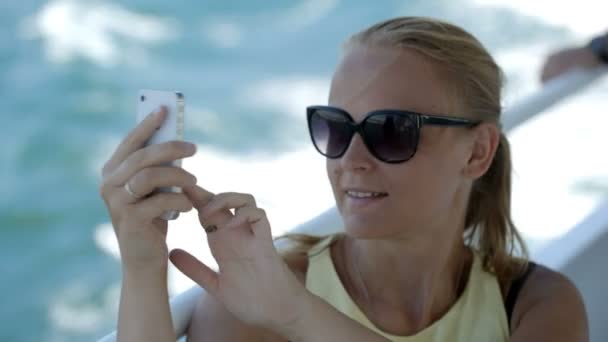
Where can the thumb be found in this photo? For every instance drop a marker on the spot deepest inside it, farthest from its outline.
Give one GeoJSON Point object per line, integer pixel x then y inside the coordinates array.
{"type": "Point", "coordinates": [195, 270]}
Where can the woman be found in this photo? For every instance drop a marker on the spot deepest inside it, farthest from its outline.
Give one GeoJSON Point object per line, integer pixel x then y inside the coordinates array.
{"type": "Point", "coordinates": [428, 248]}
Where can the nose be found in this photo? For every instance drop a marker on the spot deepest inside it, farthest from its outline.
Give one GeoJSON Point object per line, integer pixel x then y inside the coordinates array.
{"type": "Point", "coordinates": [357, 156]}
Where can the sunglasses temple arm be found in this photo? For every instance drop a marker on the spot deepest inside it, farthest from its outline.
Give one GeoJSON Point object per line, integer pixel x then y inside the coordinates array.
{"type": "Point", "coordinates": [446, 121]}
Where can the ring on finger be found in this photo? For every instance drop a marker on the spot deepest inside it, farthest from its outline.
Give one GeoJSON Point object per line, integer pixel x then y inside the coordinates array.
{"type": "Point", "coordinates": [131, 193]}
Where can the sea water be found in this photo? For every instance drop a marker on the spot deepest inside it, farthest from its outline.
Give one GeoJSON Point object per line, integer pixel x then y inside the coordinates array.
{"type": "Point", "coordinates": [69, 75]}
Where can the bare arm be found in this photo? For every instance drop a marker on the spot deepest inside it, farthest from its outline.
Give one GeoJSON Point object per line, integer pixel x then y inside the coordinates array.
{"type": "Point", "coordinates": [322, 322]}
{"type": "Point", "coordinates": [550, 308]}
{"type": "Point", "coordinates": [144, 313]}
{"type": "Point", "coordinates": [561, 61]}
{"type": "Point", "coordinates": [212, 322]}
{"type": "Point", "coordinates": [129, 179]}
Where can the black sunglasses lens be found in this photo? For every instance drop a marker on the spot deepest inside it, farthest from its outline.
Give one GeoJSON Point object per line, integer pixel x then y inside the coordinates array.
{"type": "Point", "coordinates": [330, 132]}
{"type": "Point", "coordinates": [392, 137]}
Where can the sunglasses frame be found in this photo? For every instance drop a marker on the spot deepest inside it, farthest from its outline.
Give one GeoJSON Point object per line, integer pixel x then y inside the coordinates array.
{"type": "Point", "coordinates": [419, 120]}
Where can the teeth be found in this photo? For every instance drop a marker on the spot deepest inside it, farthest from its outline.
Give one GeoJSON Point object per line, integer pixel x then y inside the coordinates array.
{"type": "Point", "coordinates": [364, 194]}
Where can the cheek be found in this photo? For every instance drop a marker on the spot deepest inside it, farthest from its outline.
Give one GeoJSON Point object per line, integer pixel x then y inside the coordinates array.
{"type": "Point", "coordinates": [332, 175]}
{"type": "Point", "coordinates": [329, 169]}
{"type": "Point", "coordinates": [442, 159]}
{"type": "Point", "coordinates": [424, 190]}
{"type": "Point", "coordinates": [412, 187]}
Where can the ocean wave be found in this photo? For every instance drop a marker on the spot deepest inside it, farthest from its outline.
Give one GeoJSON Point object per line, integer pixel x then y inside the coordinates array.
{"type": "Point", "coordinates": [581, 17]}
{"type": "Point", "coordinates": [288, 95]}
{"type": "Point", "coordinates": [101, 32]}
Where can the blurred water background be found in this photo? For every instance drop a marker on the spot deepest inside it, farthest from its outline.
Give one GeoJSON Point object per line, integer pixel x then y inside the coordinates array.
{"type": "Point", "coordinates": [69, 74]}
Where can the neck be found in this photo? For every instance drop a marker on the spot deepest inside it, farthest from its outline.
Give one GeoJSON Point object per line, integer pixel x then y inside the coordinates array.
{"type": "Point", "coordinates": [417, 279]}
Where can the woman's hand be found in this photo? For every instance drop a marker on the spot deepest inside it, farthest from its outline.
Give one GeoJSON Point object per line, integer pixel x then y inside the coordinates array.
{"type": "Point", "coordinates": [129, 178]}
{"type": "Point", "coordinates": [253, 281]}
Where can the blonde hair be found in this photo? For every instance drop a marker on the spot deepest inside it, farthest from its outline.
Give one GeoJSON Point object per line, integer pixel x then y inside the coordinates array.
{"type": "Point", "coordinates": [475, 78]}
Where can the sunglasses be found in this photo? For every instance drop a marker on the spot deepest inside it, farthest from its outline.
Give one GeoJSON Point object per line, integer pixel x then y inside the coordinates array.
{"type": "Point", "coordinates": [390, 135]}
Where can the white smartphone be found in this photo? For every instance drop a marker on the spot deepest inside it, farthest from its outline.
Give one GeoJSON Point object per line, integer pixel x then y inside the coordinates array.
{"type": "Point", "coordinates": [149, 101]}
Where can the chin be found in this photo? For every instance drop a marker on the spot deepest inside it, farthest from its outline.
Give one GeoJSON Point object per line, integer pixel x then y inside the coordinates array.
{"type": "Point", "coordinates": [355, 228]}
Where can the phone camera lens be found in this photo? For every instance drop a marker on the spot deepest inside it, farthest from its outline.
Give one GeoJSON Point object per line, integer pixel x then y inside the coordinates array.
{"type": "Point", "coordinates": [142, 98]}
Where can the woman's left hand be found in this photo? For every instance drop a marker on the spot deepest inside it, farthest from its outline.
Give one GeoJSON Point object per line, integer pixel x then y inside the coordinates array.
{"type": "Point", "coordinates": [253, 281]}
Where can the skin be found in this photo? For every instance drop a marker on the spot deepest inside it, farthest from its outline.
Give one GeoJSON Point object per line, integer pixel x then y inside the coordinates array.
{"type": "Point", "coordinates": [428, 251]}
{"type": "Point", "coordinates": [562, 61]}
{"type": "Point", "coordinates": [408, 272]}
{"type": "Point", "coordinates": [254, 285]}
{"type": "Point", "coordinates": [429, 191]}
{"type": "Point", "coordinates": [140, 233]}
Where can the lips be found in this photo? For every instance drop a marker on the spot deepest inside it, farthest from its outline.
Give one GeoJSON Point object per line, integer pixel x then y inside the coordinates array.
{"type": "Point", "coordinates": [360, 203]}
{"type": "Point", "coordinates": [364, 190]}
{"type": "Point", "coordinates": [365, 202]}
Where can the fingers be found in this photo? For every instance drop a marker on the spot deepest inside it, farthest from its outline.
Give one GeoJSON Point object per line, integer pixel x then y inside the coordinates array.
{"type": "Point", "coordinates": [147, 180]}
{"type": "Point", "coordinates": [254, 217]}
{"type": "Point", "coordinates": [195, 270]}
{"type": "Point", "coordinates": [228, 200]}
{"type": "Point", "coordinates": [199, 196]}
{"type": "Point", "coordinates": [135, 139]}
{"type": "Point", "coordinates": [246, 213]}
{"type": "Point", "coordinates": [150, 156]}
{"type": "Point", "coordinates": [143, 184]}
{"type": "Point", "coordinates": [217, 211]}
{"type": "Point", "coordinates": [154, 206]}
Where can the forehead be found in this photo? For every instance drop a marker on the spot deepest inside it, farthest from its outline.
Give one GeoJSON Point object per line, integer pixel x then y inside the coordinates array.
{"type": "Point", "coordinates": [371, 77]}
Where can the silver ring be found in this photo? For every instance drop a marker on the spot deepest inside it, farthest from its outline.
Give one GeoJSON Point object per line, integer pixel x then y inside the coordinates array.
{"type": "Point", "coordinates": [130, 192]}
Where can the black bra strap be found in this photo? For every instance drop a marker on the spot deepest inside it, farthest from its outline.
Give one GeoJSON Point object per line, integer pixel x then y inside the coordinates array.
{"type": "Point", "coordinates": [514, 290]}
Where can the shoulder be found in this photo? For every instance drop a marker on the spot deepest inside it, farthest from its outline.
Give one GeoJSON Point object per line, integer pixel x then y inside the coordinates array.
{"type": "Point", "coordinates": [549, 308]}
{"type": "Point", "coordinates": [297, 259]}
{"type": "Point", "coordinates": [212, 322]}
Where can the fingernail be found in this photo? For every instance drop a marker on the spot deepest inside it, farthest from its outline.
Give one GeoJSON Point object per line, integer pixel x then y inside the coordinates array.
{"type": "Point", "coordinates": [160, 111]}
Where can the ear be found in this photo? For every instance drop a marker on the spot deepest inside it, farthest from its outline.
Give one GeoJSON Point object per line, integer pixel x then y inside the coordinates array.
{"type": "Point", "coordinates": [486, 137]}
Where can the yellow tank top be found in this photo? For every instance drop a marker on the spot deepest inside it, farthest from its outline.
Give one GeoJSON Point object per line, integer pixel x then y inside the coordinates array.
{"type": "Point", "coordinates": [477, 315]}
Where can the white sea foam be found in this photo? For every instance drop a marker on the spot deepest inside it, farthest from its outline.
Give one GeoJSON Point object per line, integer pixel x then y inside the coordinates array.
{"type": "Point", "coordinates": [288, 95]}
{"type": "Point", "coordinates": [101, 32]}
{"type": "Point", "coordinates": [306, 13]}
{"type": "Point", "coordinates": [293, 188]}
{"type": "Point", "coordinates": [582, 17]}
{"type": "Point", "coordinates": [71, 310]}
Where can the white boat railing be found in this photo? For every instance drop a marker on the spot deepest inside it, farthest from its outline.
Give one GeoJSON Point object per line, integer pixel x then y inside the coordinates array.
{"type": "Point", "coordinates": [555, 255]}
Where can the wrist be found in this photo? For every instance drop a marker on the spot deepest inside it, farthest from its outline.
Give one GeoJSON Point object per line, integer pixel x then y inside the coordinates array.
{"type": "Point", "coordinates": [296, 328]}
{"type": "Point", "coordinates": [147, 274]}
